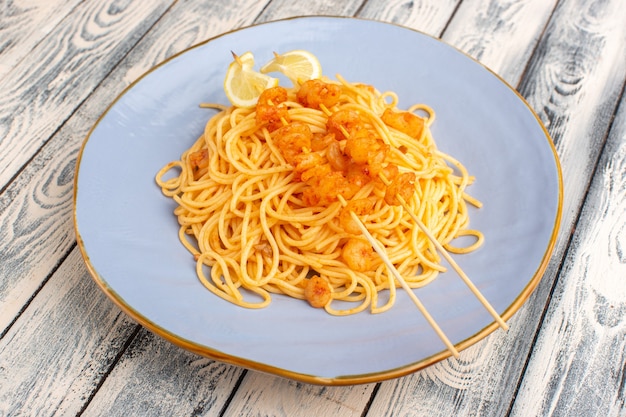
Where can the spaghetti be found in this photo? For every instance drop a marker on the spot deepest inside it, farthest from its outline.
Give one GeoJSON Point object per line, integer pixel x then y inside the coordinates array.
{"type": "Point", "coordinates": [260, 197]}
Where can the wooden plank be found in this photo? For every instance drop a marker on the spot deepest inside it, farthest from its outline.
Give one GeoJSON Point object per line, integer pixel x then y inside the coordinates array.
{"type": "Point", "coordinates": [156, 378]}
{"type": "Point", "coordinates": [428, 16]}
{"type": "Point", "coordinates": [500, 34]}
{"type": "Point", "coordinates": [575, 86]}
{"type": "Point", "coordinates": [36, 225]}
{"type": "Point", "coordinates": [281, 9]}
{"type": "Point", "coordinates": [24, 24]}
{"type": "Point", "coordinates": [61, 347]}
{"type": "Point", "coordinates": [36, 229]}
{"type": "Point", "coordinates": [40, 93]}
{"type": "Point", "coordinates": [577, 364]}
{"type": "Point", "coordinates": [264, 395]}
{"type": "Point", "coordinates": [185, 25]}
{"type": "Point", "coordinates": [575, 92]}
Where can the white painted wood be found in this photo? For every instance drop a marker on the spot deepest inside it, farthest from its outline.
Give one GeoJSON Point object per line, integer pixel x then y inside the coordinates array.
{"type": "Point", "coordinates": [45, 88]}
{"type": "Point", "coordinates": [264, 395]}
{"type": "Point", "coordinates": [183, 26]}
{"type": "Point", "coordinates": [500, 34]}
{"type": "Point", "coordinates": [24, 24]}
{"type": "Point", "coordinates": [156, 378]}
{"type": "Point", "coordinates": [587, 105]}
{"type": "Point", "coordinates": [575, 83]}
{"type": "Point", "coordinates": [428, 16]}
{"type": "Point", "coordinates": [577, 365]}
{"type": "Point", "coordinates": [36, 232]}
{"type": "Point", "coordinates": [281, 9]}
{"type": "Point", "coordinates": [59, 349]}
{"type": "Point", "coordinates": [35, 227]}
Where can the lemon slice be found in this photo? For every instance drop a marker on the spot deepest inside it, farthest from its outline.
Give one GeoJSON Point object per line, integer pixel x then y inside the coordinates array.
{"type": "Point", "coordinates": [298, 66]}
{"type": "Point", "coordinates": [242, 84]}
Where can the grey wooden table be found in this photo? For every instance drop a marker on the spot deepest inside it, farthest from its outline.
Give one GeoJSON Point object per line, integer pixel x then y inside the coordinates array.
{"type": "Point", "coordinates": [66, 349]}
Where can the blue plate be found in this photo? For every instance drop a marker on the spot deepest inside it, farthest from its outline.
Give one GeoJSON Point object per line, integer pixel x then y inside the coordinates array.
{"type": "Point", "coordinates": [128, 234]}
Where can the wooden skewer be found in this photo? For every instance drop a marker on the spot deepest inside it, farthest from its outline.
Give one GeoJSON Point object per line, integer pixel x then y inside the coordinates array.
{"type": "Point", "coordinates": [440, 248]}
{"type": "Point", "coordinates": [383, 256]}
{"type": "Point", "coordinates": [236, 57]}
{"type": "Point", "coordinates": [450, 260]}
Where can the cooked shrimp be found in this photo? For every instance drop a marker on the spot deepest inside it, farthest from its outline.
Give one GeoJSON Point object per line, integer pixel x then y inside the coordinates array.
{"type": "Point", "coordinates": [359, 207]}
{"type": "Point", "coordinates": [270, 110]}
{"type": "Point", "coordinates": [389, 172]}
{"type": "Point", "coordinates": [307, 160]}
{"type": "Point", "coordinates": [199, 159]}
{"type": "Point", "coordinates": [274, 96]}
{"type": "Point", "coordinates": [324, 189]}
{"type": "Point", "coordinates": [321, 141]}
{"type": "Point", "coordinates": [332, 185]}
{"type": "Point", "coordinates": [292, 140]}
{"type": "Point", "coordinates": [311, 176]}
{"type": "Point", "coordinates": [344, 121]}
{"type": "Point", "coordinates": [376, 160]}
{"type": "Point", "coordinates": [367, 150]}
{"type": "Point", "coordinates": [402, 185]}
{"type": "Point", "coordinates": [360, 145]}
{"type": "Point", "coordinates": [317, 291]}
{"type": "Point", "coordinates": [337, 159]}
{"type": "Point", "coordinates": [358, 254]}
{"type": "Point", "coordinates": [358, 175]}
{"type": "Point", "coordinates": [313, 93]}
{"type": "Point", "coordinates": [404, 121]}
{"type": "Point", "coordinates": [273, 117]}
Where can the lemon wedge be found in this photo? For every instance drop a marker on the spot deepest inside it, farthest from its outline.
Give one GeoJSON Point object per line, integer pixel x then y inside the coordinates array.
{"type": "Point", "coordinates": [242, 84]}
{"type": "Point", "coordinates": [298, 65]}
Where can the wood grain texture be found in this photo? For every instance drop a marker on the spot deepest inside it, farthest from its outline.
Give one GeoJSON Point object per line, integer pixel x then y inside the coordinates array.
{"type": "Point", "coordinates": [45, 88]}
{"type": "Point", "coordinates": [264, 395]}
{"type": "Point", "coordinates": [36, 232]}
{"type": "Point", "coordinates": [63, 344]}
{"type": "Point", "coordinates": [502, 34]}
{"type": "Point", "coordinates": [494, 375]}
{"type": "Point", "coordinates": [186, 384]}
{"type": "Point", "coordinates": [576, 79]}
{"type": "Point", "coordinates": [24, 23]}
{"type": "Point", "coordinates": [183, 26]}
{"type": "Point", "coordinates": [35, 229]}
{"type": "Point", "coordinates": [428, 16]}
{"type": "Point", "coordinates": [577, 365]}
{"type": "Point", "coordinates": [281, 9]}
